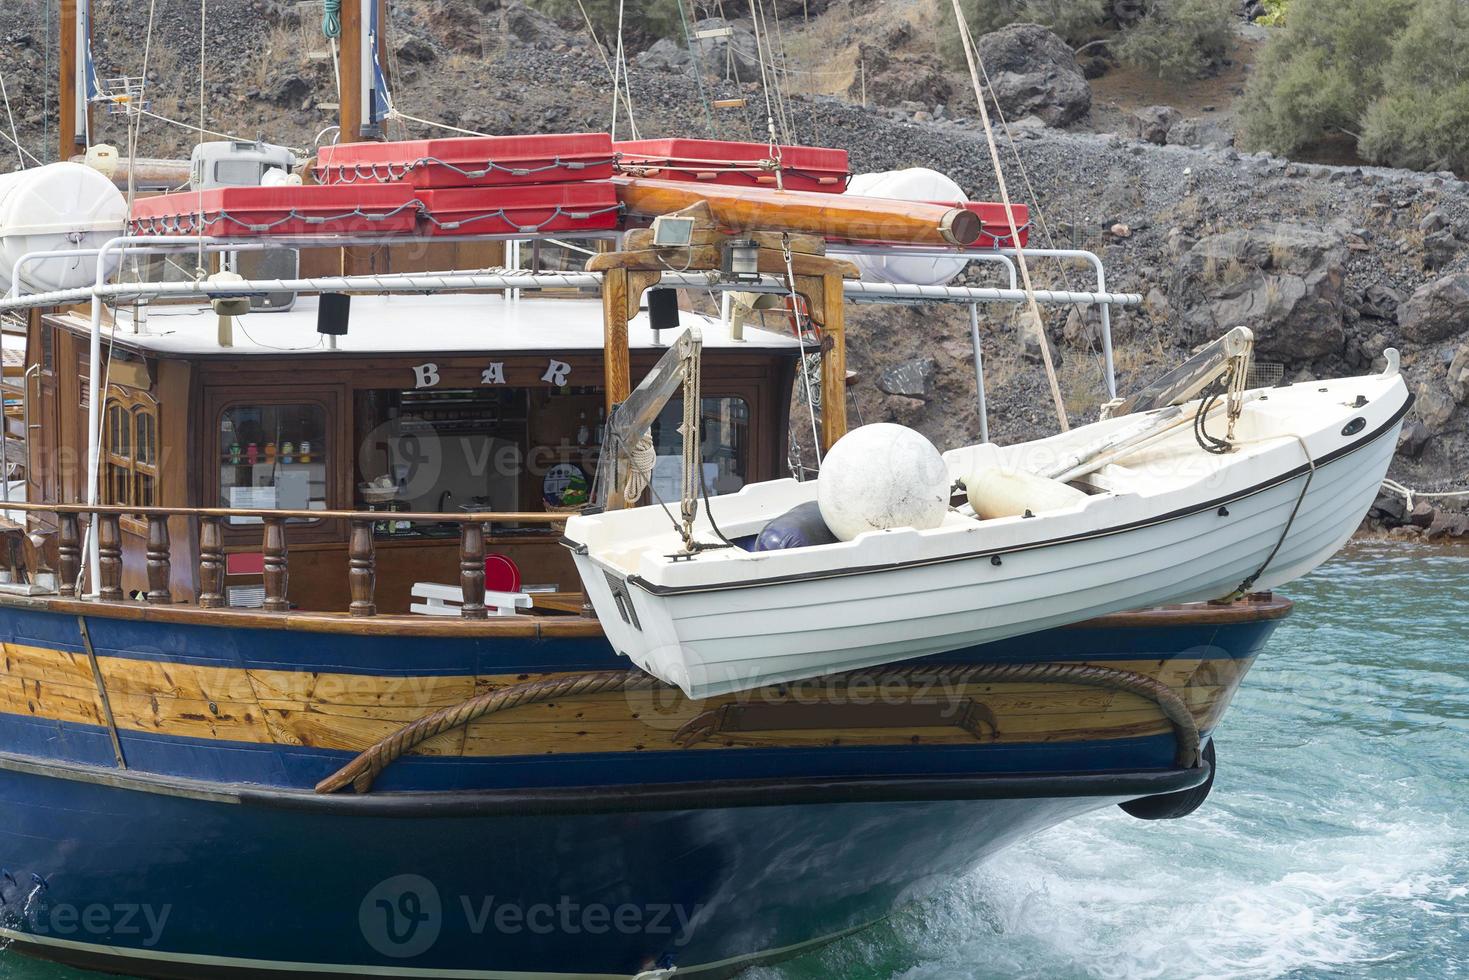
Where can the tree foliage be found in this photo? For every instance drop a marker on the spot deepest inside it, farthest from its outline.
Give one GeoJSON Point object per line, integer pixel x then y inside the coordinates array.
{"type": "Point", "coordinates": [1392, 74]}
{"type": "Point", "coordinates": [1179, 39]}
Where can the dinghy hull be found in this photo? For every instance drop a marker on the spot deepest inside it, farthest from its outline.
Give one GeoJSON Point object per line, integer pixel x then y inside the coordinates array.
{"type": "Point", "coordinates": [1259, 525]}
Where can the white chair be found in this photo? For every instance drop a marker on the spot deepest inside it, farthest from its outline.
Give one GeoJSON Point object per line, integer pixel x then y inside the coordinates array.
{"type": "Point", "coordinates": [447, 600]}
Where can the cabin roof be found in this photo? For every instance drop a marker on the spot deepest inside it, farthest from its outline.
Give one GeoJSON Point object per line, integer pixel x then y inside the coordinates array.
{"type": "Point", "coordinates": [440, 323]}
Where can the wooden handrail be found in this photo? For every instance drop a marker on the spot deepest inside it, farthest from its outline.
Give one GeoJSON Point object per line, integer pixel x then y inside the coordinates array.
{"type": "Point", "coordinates": [275, 572]}
{"type": "Point", "coordinates": [414, 517]}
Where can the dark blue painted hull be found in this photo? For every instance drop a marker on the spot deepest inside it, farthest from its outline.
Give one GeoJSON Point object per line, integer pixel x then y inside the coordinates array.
{"type": "Point", "coordinates": [213, 857]}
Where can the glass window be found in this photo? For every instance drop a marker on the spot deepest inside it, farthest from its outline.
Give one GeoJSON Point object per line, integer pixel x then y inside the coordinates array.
{"type": "Point", "coordinates": [272, 457]}
{"type": "Point", "coordinates": [130, 469]}
{"type": "Point", "coordinates": [724, 436]}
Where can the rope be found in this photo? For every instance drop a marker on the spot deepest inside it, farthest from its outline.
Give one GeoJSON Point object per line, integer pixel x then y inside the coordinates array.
{"type": "Point", "coordinates": [1408, 493]}
{"type": "Point", "coordinates": [971, 55]}
{"type": "Point", "coordinates": [300, 151]}
{"type": "Point", "coordinates": [642, 456]}
{"type": "Point", "coordinates": [618, 63]}
{"type": "Point", "coordinates": [1249, 582]}
{"type": "Point", "coordinates": [602, 53]}
{"type": "Point", "coordinates": [331, 19]}
{"type": "Point", "coordinates": [363, 771]}
{"type": "Point", "coordinates": [203, 24]}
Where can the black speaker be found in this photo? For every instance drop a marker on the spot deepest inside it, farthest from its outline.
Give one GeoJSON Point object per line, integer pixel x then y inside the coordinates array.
{"type": "Point", "coordinates": [663, 309]}
{"type": "Point", "coordinates": [333, 310]}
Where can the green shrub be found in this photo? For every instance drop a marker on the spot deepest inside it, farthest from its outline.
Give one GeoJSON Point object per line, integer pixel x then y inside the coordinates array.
{"type": "Point", "coordinates": [1421, 119]}
{"type": "Point", "coordinates": [1178, 39]}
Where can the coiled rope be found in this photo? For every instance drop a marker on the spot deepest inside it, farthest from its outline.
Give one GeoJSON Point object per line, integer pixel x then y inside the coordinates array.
{"type": "Point", "coordinates": [363, 771]}
{"type": "Point", "coordinates": [331, 19]}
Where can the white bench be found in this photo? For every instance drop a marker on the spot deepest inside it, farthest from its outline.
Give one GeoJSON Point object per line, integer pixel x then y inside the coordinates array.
{"type": "Point", "coordinates": [447, 600]}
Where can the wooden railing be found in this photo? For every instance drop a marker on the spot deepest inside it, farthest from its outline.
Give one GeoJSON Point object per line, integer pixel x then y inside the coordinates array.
{"type": "Point", "coordinates": [361, 562]}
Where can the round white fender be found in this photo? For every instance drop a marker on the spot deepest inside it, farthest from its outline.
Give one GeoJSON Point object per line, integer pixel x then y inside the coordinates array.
{"type": "Point", "coordinates": [879, 477]}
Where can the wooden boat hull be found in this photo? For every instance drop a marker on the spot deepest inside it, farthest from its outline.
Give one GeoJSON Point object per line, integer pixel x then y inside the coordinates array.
{"type": "Point", "coordinates": [510, 848]}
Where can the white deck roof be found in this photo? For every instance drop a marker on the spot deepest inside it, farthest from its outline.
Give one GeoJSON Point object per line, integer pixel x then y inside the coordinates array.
{"type": "Point", "coordinates": [417, 324]}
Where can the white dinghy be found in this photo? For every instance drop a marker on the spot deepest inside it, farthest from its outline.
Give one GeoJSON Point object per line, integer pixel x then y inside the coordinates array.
{"type": "Point", "coordinates": [1170, 510]}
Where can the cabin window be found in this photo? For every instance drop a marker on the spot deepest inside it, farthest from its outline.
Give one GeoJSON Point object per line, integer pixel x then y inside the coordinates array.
{"type": "Point", "coordinates": [272, 457]}
{"type": "Point", "coordinates": [724, 441]}
{"type": "Point", "coordinates": [130, 442]}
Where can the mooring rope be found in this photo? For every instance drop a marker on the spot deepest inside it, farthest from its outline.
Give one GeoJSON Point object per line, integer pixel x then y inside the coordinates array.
{"type": "Point", "coordinates": [363, 771]}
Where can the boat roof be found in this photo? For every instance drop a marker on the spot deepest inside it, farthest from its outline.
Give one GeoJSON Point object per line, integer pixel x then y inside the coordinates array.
{"type": "Point", "coordinates": [394, 324]}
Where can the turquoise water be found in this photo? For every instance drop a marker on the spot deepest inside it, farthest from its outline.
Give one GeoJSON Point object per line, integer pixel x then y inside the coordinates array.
{"type": "Point", "coordinates": [1336, 842]}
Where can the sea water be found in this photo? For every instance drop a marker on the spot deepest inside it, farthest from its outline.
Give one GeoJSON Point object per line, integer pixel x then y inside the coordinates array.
{"type": "Point", "coordinates": [1336, 841]}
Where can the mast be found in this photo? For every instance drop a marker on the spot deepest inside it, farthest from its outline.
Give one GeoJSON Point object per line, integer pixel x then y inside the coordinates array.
{"type": "Point", "coordinates": [364, 46]}
{"type": "Point", "coordinates": [74, 108]}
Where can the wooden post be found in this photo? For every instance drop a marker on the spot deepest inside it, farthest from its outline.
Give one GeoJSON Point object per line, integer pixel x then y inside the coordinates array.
{"type": "Point", "coordinates": [69, 555]}
{"type": "Point", "coordinates": [472, 570]}
{"type": "Point", "coordinates": [833, 362]}
{"type": "Point", "coordinates": [109, 549]}
{"type": "Point", "coordinates": [617, 369]}
{"type": "Point", "coordinates": [349, 110]}
{"type": "Point", "coordinates": [276, 573]}
{"type": "Point", "coordinates": [362, 570]}
{"type": "Point", "coordinates": [71, 142]}
{"type": "Point", "coordinates": [211, 564]}
{"type": "Point", "coordinates": [158, 560]}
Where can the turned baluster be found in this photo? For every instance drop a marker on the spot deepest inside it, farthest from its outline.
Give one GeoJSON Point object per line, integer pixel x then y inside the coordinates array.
{"type": "Point", "coordinates": [362, 570]}
{"type": "Point", "coordinates": [472, 570]}
{"type": "Point", "coordinates": [211, 564]}
{"type": "Point", "coordinates": [109, 551]}
{"type": "Point", "coordinates": [275, 565]}
{"type": "Point", "coordinates": [69, 555]}
{"type": "Point", "coordinates": [158, 560]}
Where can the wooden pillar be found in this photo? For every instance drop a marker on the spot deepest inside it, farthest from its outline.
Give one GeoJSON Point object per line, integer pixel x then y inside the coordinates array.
{"type": "Point", "coordinates": [349, 110]}
{"type": "Point", "coordinates": [362, 570]}
{"type": "Point", "coordinates": [833, 362]}
{"type": "Point", "coordinates": [622, 295]}
{"type": "Point", "coordinates": [109, 552]}
{"type": "Point", "coordinates": [276, 571]}
{"type": "Point", "coordinates": [69, 555]}
{"type": "Point", "coordinates": [472, 570]}
{"type": "Point", "coordinates": [211, 564]}
{"type": "Point", "coordinates": [158, 560]}
{"type": "Point", "coordinates": [71, 142]}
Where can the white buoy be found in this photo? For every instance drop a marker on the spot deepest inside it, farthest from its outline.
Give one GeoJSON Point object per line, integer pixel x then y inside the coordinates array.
{"type": "Point", "coordinates": [879, 477]}
{"type": "Point", "coordinates": [996, 491]}
{"type": "Point", "coordinates": [913, 184]}
{"type": "Point", "coordinates": [58, 206]}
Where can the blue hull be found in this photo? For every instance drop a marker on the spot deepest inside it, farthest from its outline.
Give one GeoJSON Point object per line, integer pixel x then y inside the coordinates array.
{"type": "Point", "coordinates": [213, 857]}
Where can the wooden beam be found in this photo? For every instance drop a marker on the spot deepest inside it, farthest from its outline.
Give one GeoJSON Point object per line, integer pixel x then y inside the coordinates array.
{"type": "Point", "coordinates": [349, 112]}
{"type": "Point", "coordinates": [833, 362]}
{"type": "Point", "coordinates": [71, 142]}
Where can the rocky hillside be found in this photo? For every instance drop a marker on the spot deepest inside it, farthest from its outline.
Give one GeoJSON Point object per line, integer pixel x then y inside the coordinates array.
{"type": "Point", "coordinates": [1329, 265]}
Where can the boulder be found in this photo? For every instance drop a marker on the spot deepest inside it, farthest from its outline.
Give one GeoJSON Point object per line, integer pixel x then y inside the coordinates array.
{"type": "Point", "coordinates": [1458, 380]}
{"type": "Point", "coordinates": [912, 379]}
{"type": "Point", "coordinates": [737, 52]}
{"type": "Point", "coordinates": [1440, 249]}
{"type": "Point", "coordinates": [1195, 131]}
{"type": "Point", "coordinates": [901, 409]}
{"type": "Point", "coordinates": [1153, 122]}
{"type": "Point", "coordinates": [289, 89]}
{"type": "Point", "coordinates": [1034, 72]}
{"type": "Point", "coordinates": [1414, 437]}
{"type": "Point", "coordinates": [1379, 302]}
{"type": "Point", "coordinates": [1423, 514]}
{"type": "Point", "coordinates": [1447, 525]}
{"type": "Point", "coordinates": [1437, 310]}
{"type": "Point", "coordinates": [1390, 509]}
{"type": "Point", "coordinates": [413, 50]}
{"type": "Point", "coordinates": [1282, 281]}
{"type": "Point", "coordinates": [1435, 406]}
{"type": "Point", "coordinates": [529, 26]}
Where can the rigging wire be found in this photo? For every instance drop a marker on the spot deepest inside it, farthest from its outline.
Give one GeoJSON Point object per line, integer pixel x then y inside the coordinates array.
{"type": "Point", "coordinates": [602, 53]}
{"type": "Point", "coordinates": [618, 62]}
{"type": "Point", "coordinates": [971, 55]}
{"type": "Point", "coordinates": [203, 26]}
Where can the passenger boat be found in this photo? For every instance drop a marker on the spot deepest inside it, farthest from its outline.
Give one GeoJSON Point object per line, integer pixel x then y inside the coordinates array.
{"type": "Point", "coordinates": [298, 678]}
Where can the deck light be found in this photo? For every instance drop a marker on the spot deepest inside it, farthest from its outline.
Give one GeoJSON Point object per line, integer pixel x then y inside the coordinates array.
{"type": "Point", "coordinates": [741, 260]}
